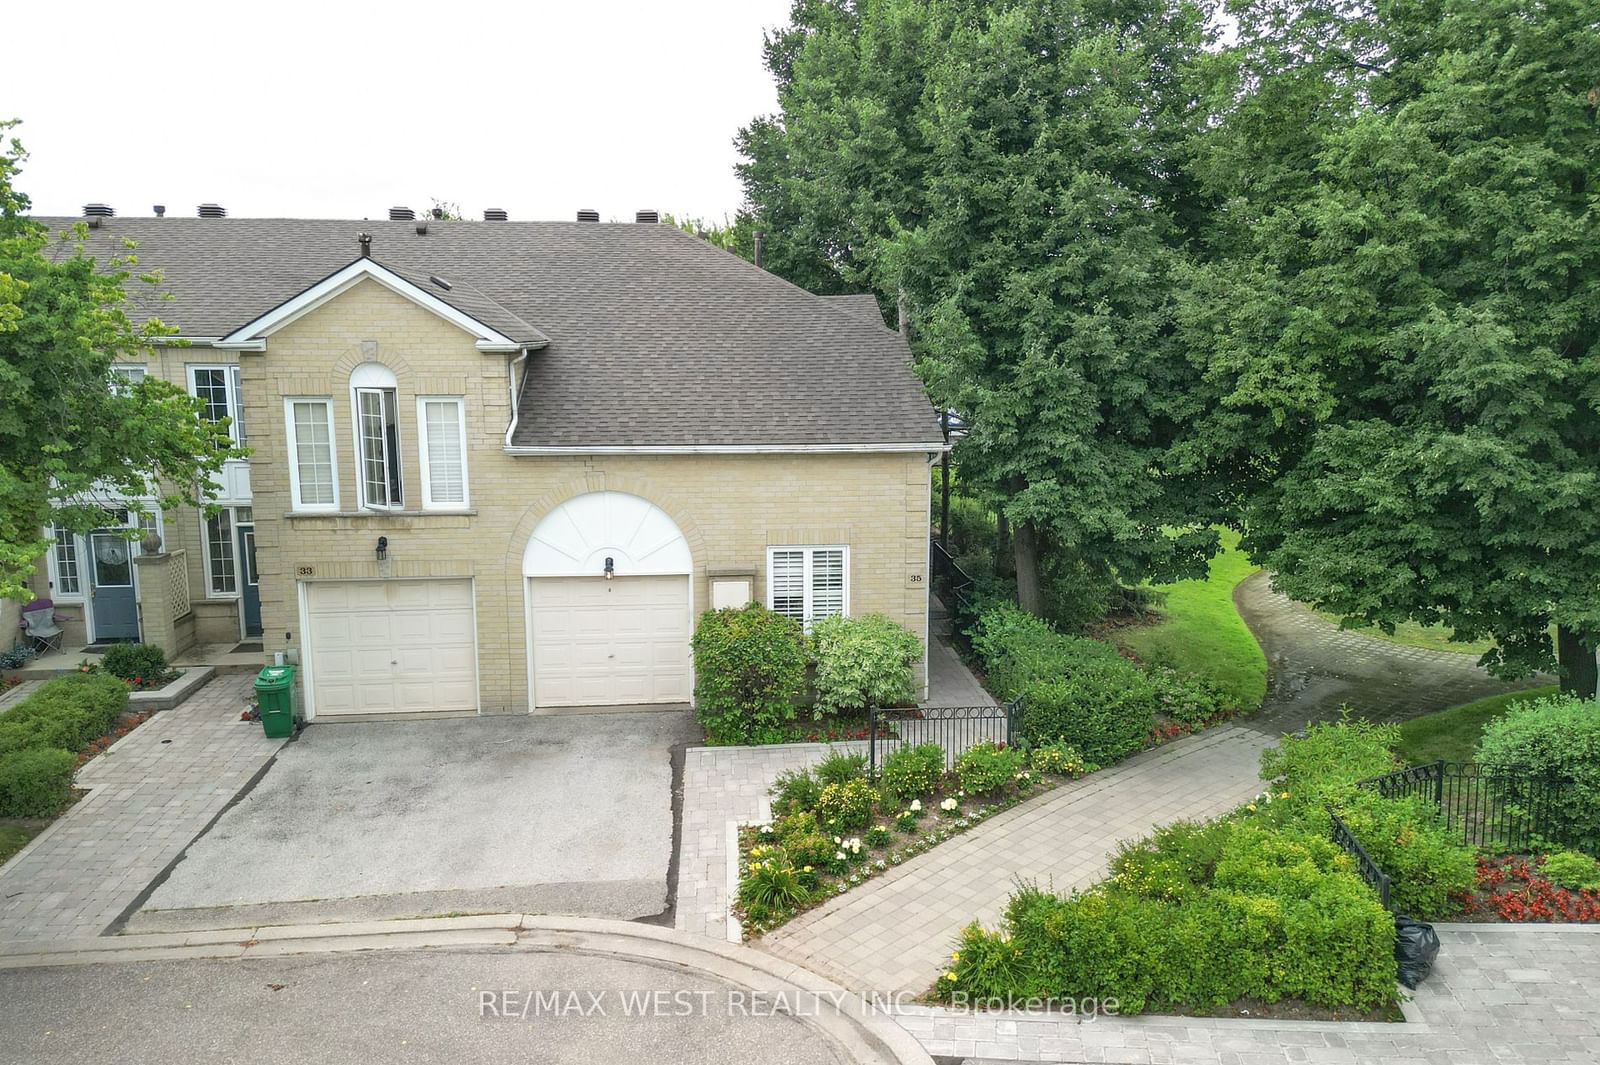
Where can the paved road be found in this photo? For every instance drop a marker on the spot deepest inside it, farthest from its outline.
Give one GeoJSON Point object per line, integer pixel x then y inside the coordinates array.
{"type": "Point", "coordinates": [1314, 667]}
{"type": "Point", "coordinates": [398, 1007]}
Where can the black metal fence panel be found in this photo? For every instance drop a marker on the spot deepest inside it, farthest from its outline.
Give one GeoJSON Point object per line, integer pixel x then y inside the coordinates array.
{"type": "Point", "coordinates": [1496, 807]}
{"type": "Point", "coordinates": [1369, 869]}
{"type": "Point", "coordinates": [954, 728]}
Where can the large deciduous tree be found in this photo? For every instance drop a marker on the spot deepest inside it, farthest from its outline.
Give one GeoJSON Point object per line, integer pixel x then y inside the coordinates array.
{"type": "Point", "coordinates": [75, 440]}
{"type": "Point", "coordinates": [1402, 309]}
{"type": "Point", "coordinates": [1013, 175]}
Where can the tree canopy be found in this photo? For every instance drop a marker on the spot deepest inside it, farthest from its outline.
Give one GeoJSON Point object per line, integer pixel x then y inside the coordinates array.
{"type": "Point", "coordinates": [75, 440]}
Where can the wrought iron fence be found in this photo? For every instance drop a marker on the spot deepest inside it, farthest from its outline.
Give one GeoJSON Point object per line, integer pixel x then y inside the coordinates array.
{"type": "Point", "coordinates": [1509, 808]}
{"type": "Point", "coordinates": [950, 582]}
{"type": "Point", "coordinates": [954, 728]}
{"type": "Point", "coordinates": [1371, 872]}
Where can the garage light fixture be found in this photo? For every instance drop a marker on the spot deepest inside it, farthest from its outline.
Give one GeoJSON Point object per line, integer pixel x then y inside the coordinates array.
{"type": "Point", "coordinates": [611, 568]}
{"type": "Point", "coordinates": [383, 548]}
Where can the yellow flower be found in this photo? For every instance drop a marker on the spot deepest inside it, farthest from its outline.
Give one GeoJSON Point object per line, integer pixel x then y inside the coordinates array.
{"type": "Point", "coordinates": [950, 975]}
{"type": "Point", "coordinates": [955, 955]}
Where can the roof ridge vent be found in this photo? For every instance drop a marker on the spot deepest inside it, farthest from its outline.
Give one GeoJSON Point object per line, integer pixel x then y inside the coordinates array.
{"type": "Point", "coordinates": [647, 217]}
{"type": "Point", "coordinates": [98, 210]}
{"type": "Point", "coordinates": [588, 214]}
{"type": "Point", "coordinates": [211, 210]}
{"type": "Point", "coordinates": [495, 214]}
{"type": "Point", "coordinates": [402, 214]}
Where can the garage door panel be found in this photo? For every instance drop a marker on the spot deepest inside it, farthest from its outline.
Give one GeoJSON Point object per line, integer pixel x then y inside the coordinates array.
{"type": "Point", "coordinates": [391, 646]}
{"type": "Point", "coordinates": [618, 642]}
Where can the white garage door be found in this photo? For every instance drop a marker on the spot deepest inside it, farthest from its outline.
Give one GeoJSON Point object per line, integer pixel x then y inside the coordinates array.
{"type": "Point", "coordinates": [386, 647]}
{"type": "Point", "coordinates": [610, 643]}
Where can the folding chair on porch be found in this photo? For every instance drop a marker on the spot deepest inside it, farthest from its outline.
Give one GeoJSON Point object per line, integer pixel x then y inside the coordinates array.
{"type": "Point", "coordinates": [39, 625]}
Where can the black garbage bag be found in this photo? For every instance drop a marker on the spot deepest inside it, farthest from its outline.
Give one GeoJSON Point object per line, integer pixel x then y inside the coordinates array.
{"type": "Point", "coordinates": [1416, 945]}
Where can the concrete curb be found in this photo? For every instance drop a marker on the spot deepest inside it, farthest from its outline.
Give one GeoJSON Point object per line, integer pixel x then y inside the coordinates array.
{"type": "Point", "coordinates": [863, 1032]}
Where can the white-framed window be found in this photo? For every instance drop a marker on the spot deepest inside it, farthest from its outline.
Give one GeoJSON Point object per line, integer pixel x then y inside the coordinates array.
{"type": "Point", "coordinates": [218, 388]}
{"type": "Point", "coordinates": [64, 558]}
{"type": "Point", "coordinates": [808, 583]}
{"type": "Point", "coordinates": [376, 406]}
{"type": "Point", "coordinates": [313, 470]}
{"type": "Point", "coordinates": [442, 449]}
{"type": "Point", "coordinates": [128, 374]}
{"type": "Point", "coordinates": [217, 531]}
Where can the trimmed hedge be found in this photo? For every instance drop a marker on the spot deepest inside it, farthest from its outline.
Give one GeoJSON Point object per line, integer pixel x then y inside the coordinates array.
{"type": "Point", "coordinates": [66, 713]}
{"type": "Point", "coordinates": [1076, 689]}
{"type": "Point", "coordinates": [750, 667]}
{"type": "Point", "coordinates": [864, 661]}
{"type": "Point", "coordinates": [1560, 737]}
{"type": "Point", "coordinates": [36, 782]}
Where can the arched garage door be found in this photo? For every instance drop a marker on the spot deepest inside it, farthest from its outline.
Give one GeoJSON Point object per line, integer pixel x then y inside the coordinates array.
{"type": "Point", "coordinates": [620, 640]}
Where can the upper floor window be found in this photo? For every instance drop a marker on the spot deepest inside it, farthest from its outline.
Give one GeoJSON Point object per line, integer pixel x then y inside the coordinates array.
{"type": "Point", "coordinates": [218, 388]}
{"type": "Point", "coordinates": [313, 472]}
{"type": "Point", "coordinates": [377, 433]}
{"type": "Point", "coordinates": [808, 583]}
{"type": "Point", "coordinates": [127, 375]}
{"type": "Point", "coordinates": [442, 444]}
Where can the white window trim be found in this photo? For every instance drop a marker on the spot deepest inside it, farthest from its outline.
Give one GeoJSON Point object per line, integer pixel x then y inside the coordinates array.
{"type": "Point", "coordinates": [422, 453]}
{"type": "Point", "coordinates": [361, 466]}
{"type": "Point", "coordinates": [809, 551]}
{"type": "Point", "coordinates": [56, 594]}
{"type": "Point", "coordinates": [294, 455]}
{"type": "Point", "coordinates": [205, 555]}
{"type": "Point", "coordinates": [230, 380]}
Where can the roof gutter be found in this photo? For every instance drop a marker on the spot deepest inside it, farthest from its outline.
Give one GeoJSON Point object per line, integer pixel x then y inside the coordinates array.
{"type": "Point", "coordinates": [730, 449]}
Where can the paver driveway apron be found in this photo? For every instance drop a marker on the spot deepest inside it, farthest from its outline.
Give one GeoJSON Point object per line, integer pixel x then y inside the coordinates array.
{"type": "Point", "coordinates": [149, 795]}
{"type": "Point", "coordinates": [561, 814]}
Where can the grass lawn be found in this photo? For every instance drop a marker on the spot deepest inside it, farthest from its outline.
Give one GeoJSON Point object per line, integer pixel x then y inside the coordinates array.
{"type": "Point", "coordinates": [1453, 734]}
{"type": "Point", "coordinates": [1202, 633]}
{"type": "Point", "coordinates": [13, 838]}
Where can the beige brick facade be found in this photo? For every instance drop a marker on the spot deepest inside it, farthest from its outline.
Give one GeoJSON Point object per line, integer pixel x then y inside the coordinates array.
{"type": "Point", "coordinates": [730, 508]}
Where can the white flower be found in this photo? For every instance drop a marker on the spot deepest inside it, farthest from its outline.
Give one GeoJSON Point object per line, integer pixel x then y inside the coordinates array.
{"type": "Point", "coordinates": [838, 856]}
{"type": "Point", "coordinates": [838, 839]}
{"type": "Point", "coordinates": [948, 805]}
{"type": "Point", "coordinates": [916, 805]}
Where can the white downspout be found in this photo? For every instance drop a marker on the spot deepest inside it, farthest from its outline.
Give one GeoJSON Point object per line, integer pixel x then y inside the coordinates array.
{"type": "Point", "coordinates": [516, 390]}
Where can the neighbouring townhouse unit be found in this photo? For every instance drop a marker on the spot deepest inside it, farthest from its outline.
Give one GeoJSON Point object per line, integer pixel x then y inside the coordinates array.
{"type": "Point", "coordinates": [502, 466]}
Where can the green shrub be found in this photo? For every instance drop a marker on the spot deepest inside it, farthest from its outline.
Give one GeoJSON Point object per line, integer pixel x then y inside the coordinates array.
{"type": "Point", "coordinates": [798, 823]}
{"type": "Point", "coordinates": [749, 669]}
{"type": "Point", "coordinates": [1409, 841]}
{"type": "Point", "coordinates": [912, 770]}
{"type": "Point", "coordinates": [66, 713]}
{"type": "Point", "coordinates": [1569, 869]}
{"type": "Point", "coordinates": [771, 885]}
{"type": "Point", "coordinates": [1018, 650]}
{"type": "Point", "coordinates": [846, 806]}
{"type": "Point", "coordinates": [135, 662]}
{"type": "Point", "coordinates": [794, 790]}
{"type": "Point", "coordinates": [1555, 737]}
{"type": "Point", "coordinates": [812, 849]}
{"type": "Point", "coordinates": [1195, 917]}
{"type": "Point", "coordinates": [863, 661]}
{"type": "Point", "coordinates": [1060, 758]}
{"type": "Point", "coordinates": [840, 766]}
{"type": "Point", "coordinates": [1187, 698]}
{"type": "Point", "coordinates": [985, 767]}
{"type": "Point", "coordinates": [876, 836]}
{"type": "Point", "coordinates": [36, 782]}
{"type": "Point", "coordinates": [1328, 761]}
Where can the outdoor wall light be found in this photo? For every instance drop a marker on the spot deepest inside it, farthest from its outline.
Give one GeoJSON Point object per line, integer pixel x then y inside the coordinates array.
{"type": "Point", "coordinates": [611, 568]}
{"type": "Point", "coordinates": [383, 548]}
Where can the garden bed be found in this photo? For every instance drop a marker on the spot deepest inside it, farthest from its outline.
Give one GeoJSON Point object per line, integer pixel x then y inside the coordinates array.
{"type": "Point", "coordinates": [1512, 889]}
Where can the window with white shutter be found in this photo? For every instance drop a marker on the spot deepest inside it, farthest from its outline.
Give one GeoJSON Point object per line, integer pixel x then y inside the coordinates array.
{"type": "Point", "coordinates": [443, 441]}
{"type": "Point", "coordinates": [808, 583]}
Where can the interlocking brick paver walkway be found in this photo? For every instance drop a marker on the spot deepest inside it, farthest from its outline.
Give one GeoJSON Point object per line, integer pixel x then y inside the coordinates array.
{"type": "Point", "coordinates": [149, 795]}
{"type": "Point", "coordinates": [1499, 995]}
{"type": "Point", "coordinates": [1314, 667]}
{"type": "Point", "coordinates": [894, 932]}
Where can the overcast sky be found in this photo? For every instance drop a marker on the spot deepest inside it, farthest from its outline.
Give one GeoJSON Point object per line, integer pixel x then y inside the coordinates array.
{"type": "Point", "coordinates": [342, 110]}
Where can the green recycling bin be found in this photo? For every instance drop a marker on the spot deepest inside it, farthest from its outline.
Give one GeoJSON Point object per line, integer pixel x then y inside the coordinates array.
{"type": "Point", "coordinates": [275, 695]}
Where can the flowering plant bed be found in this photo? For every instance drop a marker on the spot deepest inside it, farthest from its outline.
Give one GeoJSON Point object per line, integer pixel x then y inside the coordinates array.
{"type": "Point", "coordinates": [833, 830]}
{"type": "Point", "coordinates": [834, 728]}
{"type": "Point", "coordinates": [1516, 889]}
{"type": "Point", "coordinates": [125, 724]}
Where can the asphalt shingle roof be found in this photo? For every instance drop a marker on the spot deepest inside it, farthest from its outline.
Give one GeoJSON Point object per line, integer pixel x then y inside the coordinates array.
{"type": "Point", "coordinates": [656, 338]}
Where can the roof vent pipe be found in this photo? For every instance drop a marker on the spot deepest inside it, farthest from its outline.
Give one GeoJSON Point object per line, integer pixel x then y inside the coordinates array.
{"type": "Point", "coordinates": [160, 209]}
{"type": "Point", "coordinates": [647, 217]}
{"type": "Point", "coordinates": [98, 210]}
{"type": "Point", "coordinates": [422, 227]}
{"type": "Point", "coordinates": [211, 210]}
{"type": "Point", "coordinates": [495, 214]}
{"type": "Point", "coordinates": [588, 214]}
{"type": "Point", "coordinates": [758, 238]}
{"type": "Point", "coordinates": [401, 214]}
{"type": "Point", "coordinates": [365, 240]}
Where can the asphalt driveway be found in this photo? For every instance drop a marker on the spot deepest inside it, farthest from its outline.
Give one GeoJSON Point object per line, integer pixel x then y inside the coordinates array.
{"type": "Point", "coordinates": [568, 815]}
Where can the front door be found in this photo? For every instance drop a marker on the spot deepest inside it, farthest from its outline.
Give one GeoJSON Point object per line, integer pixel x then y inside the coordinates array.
{"type": "Point", "coordinates": [116, 609]}
{"type": "Point", "coordinates": [249, 591]}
